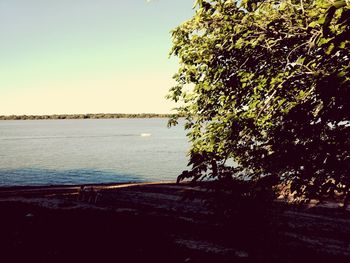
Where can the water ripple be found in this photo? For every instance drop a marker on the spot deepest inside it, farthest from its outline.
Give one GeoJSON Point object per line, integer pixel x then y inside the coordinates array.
{"type": "Point", "coordinates": [37, 177]}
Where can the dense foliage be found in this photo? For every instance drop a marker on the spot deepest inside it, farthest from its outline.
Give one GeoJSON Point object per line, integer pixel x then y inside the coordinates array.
{"type": "Point", "coordinates": [264, 86]}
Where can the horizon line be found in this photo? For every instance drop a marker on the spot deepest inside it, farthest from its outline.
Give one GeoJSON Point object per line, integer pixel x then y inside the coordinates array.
{"type": "Point", "coordinates": [99, 113]}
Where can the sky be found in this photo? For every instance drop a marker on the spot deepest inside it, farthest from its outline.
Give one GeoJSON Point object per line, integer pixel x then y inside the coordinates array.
{"type": "Point", "coordinates": [87, 56]}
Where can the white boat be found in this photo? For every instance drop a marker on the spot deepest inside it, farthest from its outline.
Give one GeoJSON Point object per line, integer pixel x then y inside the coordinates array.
{"type": "Point", "coordinates": [145, 134]}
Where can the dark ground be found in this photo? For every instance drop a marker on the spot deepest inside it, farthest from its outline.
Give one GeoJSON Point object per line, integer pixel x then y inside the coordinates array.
{"type": "Point", "coordinates": [155, 223]}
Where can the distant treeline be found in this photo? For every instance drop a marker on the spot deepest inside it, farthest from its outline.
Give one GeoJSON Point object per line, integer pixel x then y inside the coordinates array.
{"type": "Point", "coordinates": [84, 116]}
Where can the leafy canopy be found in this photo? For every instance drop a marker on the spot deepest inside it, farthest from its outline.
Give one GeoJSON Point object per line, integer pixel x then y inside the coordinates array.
{"type": "Point", "coordinates": [264, 88]}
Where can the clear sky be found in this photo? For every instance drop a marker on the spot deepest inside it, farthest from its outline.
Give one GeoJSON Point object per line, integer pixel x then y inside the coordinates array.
{"type": "Point", "coordinates": [87, 56]}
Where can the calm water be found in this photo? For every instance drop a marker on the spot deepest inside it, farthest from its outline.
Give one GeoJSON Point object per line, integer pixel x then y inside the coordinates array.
{"type": "Point", "coordinates": [49, 152]}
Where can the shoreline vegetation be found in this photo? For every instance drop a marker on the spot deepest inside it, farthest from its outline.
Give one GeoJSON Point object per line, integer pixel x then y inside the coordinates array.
{"type": "Point", "coordinates": [85, 116]}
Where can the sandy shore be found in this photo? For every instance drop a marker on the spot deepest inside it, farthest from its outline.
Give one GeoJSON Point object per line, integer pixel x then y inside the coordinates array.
{"type": "Point", "coordinates": [162, 222]}
{"type": "Point", "coordinates": [66, 189]}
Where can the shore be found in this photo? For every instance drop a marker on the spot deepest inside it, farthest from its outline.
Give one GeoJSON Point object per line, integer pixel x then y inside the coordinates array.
{"type": "Point", "coordinates": [162, 222]}
{"type": "Point", "coordinates": [85, 116]}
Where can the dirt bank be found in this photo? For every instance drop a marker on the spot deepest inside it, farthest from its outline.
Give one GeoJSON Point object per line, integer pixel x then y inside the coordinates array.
{"type": "Point", "coordinates": [162, 223]}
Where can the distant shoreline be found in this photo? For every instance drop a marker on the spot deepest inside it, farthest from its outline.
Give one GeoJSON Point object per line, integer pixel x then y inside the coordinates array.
{"type": "Point", "coordinates": [85, 116]}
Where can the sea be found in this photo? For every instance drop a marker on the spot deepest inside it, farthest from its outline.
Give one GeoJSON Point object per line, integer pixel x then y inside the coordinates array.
{"type": "Point", "coordinates": [84, 151]}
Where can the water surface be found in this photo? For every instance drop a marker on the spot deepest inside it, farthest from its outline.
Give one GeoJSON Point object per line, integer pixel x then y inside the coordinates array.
{"type": "Point", "coordinates": [46, 152]}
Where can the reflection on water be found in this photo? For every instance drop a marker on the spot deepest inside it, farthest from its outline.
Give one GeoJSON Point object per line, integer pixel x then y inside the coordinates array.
{"type": "Point", "coordinates": [90, 151]}
{"type": "Point", "coordinates": [72, 136]}
{"type": "Point", "coordinates": [52, 177]}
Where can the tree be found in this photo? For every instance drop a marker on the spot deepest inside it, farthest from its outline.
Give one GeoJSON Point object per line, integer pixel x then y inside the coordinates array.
{"type": "Point", "coordinates": [264, 88]}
